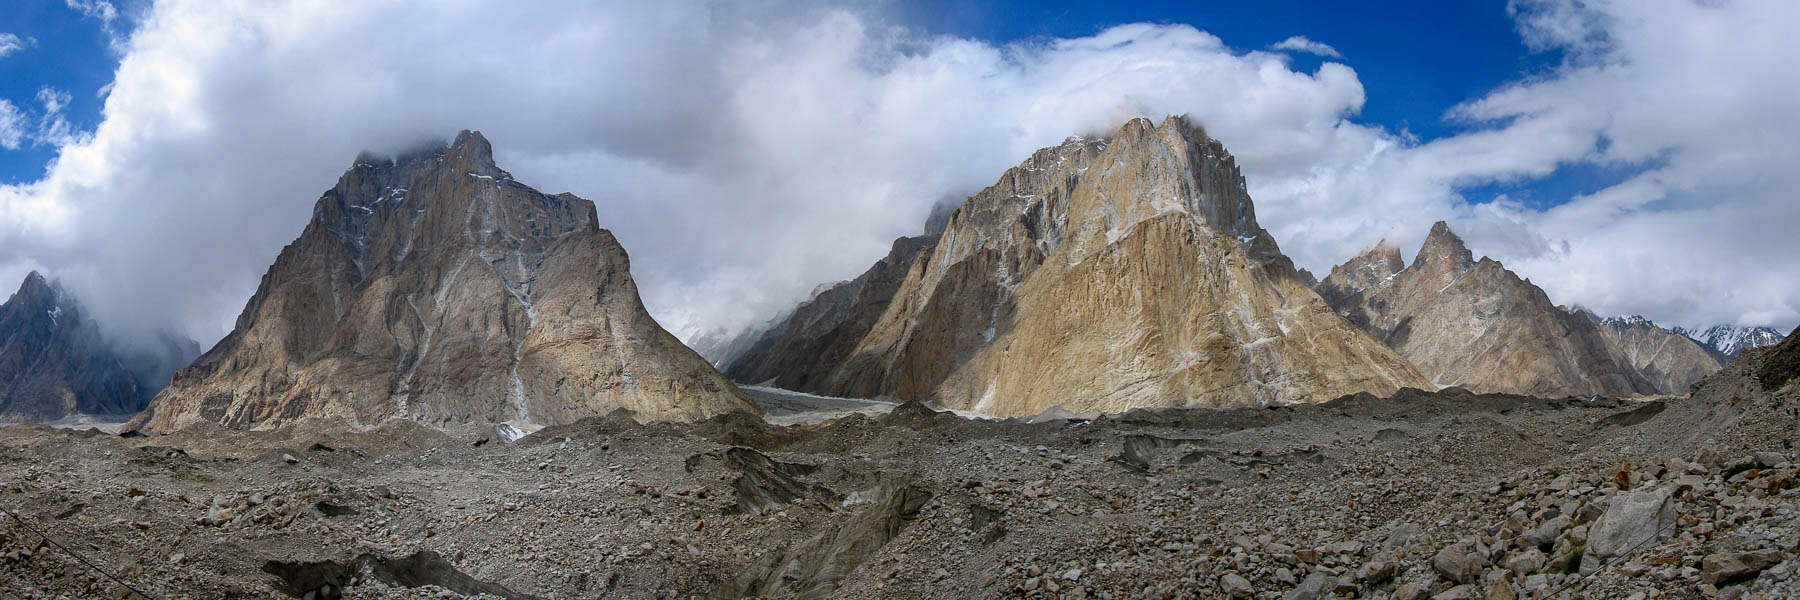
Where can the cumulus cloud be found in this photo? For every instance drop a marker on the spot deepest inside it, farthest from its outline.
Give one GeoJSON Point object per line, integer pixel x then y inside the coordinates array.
{"type": "Point", "coordinates": [1698, 95]}
{"type": "Point", "coordinates": [1690, 99]}
{"type": "Point", "coordinates": [1301, 43]}
{"type": "Point", "coordinates": [744, 158]}
{"type": "Point", "coordinates": [11, 42]}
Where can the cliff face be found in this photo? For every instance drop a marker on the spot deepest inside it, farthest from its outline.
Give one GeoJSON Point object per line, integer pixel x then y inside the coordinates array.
{"type": "Point", "coordinates": [438, 289]}
{"type": "Point", "coordinates": [55, 363]}
{"type": "Point", "coordinates": [1109, 274]}
{"type": "Point", "coordinates": [802, 351]}
{"type": "Point", "coordinates": [1475, 324]}
{"type": "Point", "coordinates": [1671, 361]}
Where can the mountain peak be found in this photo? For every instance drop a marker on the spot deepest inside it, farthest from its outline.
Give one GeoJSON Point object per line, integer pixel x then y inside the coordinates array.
{"type": "Point", "coordinates": [1387, 252]}
{"type": "Point", "coordinates": [37, 288]}
{"type": "Point", "coordinates": [1176, 167]}
{"type": "Point", "coordinates": [34, 279]}
{"type": "Point", "coordinates": [507, 294]}
{"type": "Point", "coordinates": [1443, 245]}
{"type": "Point", "coordinates": [469, 152]}
{"type": "Point", "coordinates": [472, 141]}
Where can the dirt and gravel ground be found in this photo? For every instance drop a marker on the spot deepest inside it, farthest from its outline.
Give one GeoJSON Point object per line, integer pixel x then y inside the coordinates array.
{"type": "Point", "coordinates": [1441, 495]}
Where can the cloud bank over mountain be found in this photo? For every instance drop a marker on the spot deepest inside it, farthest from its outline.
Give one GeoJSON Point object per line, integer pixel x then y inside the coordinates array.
{"type": "Point", "coordinates": [744, 158]}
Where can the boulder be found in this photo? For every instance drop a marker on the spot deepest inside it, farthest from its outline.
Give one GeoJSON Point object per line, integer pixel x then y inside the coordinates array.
{"type": "Point", "coordinates": [1311, 588]}
{"type": "Point", "coordinates": [1412, 591]}
{"type": "Point", "coordinates": [1235, 586]}
{"type": "Point", "coordinates": [1631, 523]}
{"type": "Point", "coordinates": [1769, 460]}
{"type": "Point", "coordinates": [1457, 562]}
{"type": "Point", "coordinates": [1725, 567]}
{"type": "Point", "coordinates": [1527, 562]}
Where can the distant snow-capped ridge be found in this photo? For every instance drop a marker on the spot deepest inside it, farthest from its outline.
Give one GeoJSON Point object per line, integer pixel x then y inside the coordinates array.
{"type": "Point", "coordinates": [1724, 342]}
{"type": "Point", "coordinates": [1727, 341]}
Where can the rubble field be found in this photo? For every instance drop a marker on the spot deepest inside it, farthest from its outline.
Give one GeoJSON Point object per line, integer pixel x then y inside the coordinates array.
{"type": "Point", "coordinates": [1442, 495]}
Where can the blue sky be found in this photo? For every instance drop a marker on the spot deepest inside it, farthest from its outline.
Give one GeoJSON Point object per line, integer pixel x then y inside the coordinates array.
{"type": "Point", "coordinates": [1416, 58]}
{"type": "Point", "coordinates": [63, 49]}
{"type": "Point", "coordinates": [1631, 157]}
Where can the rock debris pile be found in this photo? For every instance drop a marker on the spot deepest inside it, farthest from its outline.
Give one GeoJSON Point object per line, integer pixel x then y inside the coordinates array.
{"type": "Point", "coordinates": [1438, 495]}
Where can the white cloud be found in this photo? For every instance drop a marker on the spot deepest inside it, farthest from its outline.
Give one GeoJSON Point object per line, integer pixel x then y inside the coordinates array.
{"type": "Point", "coordinates": [1701, 92]}
{"type": "Point", "coordinates": [11, 42]}
{"type": "Point", "coordinates": [108, 16]}
{"type": "Point", "coordinates": [53, 126]}
{"type": "Point", "coordinates": [1300, 43]}
{"type": "Point", "coordinates": [12, 125]}
{"type": "Point", "coordinates": [54, 100]}
{"type": "Point", "coordinates": [97, 9]}
{"type": "Point", "coordinates": [744, 158]}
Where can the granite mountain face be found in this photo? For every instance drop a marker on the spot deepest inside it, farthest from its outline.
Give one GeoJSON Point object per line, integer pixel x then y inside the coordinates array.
{"type": "Point", "coordinates": [830, 322]}
{"type": "Point", "coordinates": [802, 351]}
{"type": "Point", "coordinates": [1100, 274]}
{"type": "Point", "coordinates": [434, 287]}
{"type": "Point", "coordinates": [55, 362]}
{"type": "Point", "coordinates": [1477, 325]}
{"type": "Point", "coordinates": [1671, 361]}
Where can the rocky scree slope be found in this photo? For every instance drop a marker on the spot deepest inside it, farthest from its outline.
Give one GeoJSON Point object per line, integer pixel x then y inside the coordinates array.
{"type": "Point", "coordinates": [1447, 495]}
{"type": "Point", "coordinates": [1475, 324]}
{"type": "Point", "coordinates": [436, 288]}
{"type": "Point", "coordinates": [56, 363]}
{"type": "Point", "coordinates": [1102, 274]}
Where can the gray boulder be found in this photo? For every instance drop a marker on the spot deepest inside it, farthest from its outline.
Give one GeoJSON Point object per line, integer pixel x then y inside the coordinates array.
{"type": "Point", "coordinates": [1630, 524]}
{"type": "Point", "coordinates": [1311, 588]}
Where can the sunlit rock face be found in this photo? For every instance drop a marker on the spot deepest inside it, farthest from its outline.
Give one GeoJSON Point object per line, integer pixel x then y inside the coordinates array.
{"type": "Point", "coordinates": [1108, 274]}
{"type": "Point", "coordinates": [1670, 361]}
{"type": "Point", "coordinates": [434, 287]}
{"type": "Point", "coordinates": [1473, 323]}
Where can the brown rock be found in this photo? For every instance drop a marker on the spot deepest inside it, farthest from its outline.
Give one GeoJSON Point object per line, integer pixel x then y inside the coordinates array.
{"type": "Point", "coordinates": [804, 350]}
{"type": "Point", "coordinates": [1106, 275]}
{"type": "Point", "coordinates": [1412, 591]}
{"type": "Point", "coordinates": [1457, 563]}
{"type": "Point", "coordinates": [1717, 569]}
{"type": "Point", "coordinates": [1475, 324]}
{"type": "Point", "coordinates": [438, 289]}
{"type": "Point", "coordinates": [1671, 361]}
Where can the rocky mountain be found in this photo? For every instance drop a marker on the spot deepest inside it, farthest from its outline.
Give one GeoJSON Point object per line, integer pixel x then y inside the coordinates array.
{"type": "Point", "coordinates": [744, 355]}
{"type": "Point", "coordinates": [804, 350]}
{"type": "Point", "coordinates": [1475, 324]}
{"type": "Point", "coordinates": [1669, 360]}
{"type": "Point", "coordinates": [1100, 274]}
{"type": "Point", "coordinates": [1725, 342]}
{"type": "Point", "coordinates": [55, 363]}
{"type": "Point", "coordinates": [1781, 363]}
{"type": "Point", "coordinates": [434, 287]}
{"type": "Point", "coordinates": [721, 345]}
